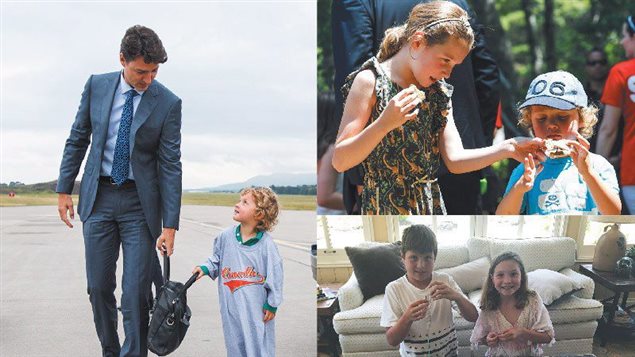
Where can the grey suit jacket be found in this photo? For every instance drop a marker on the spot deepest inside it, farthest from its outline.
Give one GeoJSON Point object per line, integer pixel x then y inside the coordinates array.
{"type": "Point", "coordinates": [155, 150]}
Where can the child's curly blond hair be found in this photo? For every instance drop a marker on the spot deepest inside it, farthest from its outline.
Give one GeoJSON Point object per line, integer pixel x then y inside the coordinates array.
{"type": "Point", "coordinates": [266, 206]}
{"type": "Point", "coordinates": [587, 116]}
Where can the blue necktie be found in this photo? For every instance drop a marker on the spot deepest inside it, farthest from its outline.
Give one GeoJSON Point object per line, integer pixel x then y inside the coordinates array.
{"type": "Point", "coordinates": [121, 159]}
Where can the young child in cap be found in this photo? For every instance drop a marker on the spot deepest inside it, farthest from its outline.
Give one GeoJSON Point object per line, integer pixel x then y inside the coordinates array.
{"type": "Point", "coordinates": [571, 180]}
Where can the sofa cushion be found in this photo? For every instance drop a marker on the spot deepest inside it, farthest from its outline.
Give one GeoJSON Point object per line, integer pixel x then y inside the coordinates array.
{"type": "Point", "coordinates": [547, 253]}
{"type": "Point", "coordinates": [588, 286]}
{"type": "Point", "coordinates": [451, 256]}
{"type": "Point", "coordinates": [376, 266]}
{"type": "Point", "coordinates": [551, 285]}
{"type": "Point", "coordinates": [470, 276]}
{"type": "Point", "coordinates": [364, 319]}
{"type": "Point", "coordinates": [572, 309]}
{"type": "Point", "coordinates": [374, 344]}
{"type": "Point", "coordinates": [576, 330]}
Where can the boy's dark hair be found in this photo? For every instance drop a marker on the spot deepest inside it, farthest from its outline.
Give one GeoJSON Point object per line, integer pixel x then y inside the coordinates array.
{"type": "Point", "coordinates": [419, 239]}
{"type": "Point", "coordinates": [142, 41]}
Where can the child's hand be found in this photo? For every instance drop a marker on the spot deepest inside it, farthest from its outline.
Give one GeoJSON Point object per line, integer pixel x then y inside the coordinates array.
{"type": "Point", "coordinates": [441, 290]}
{"type": "Point", "coordinates": [517, 334]}
{"type": "Point", "coordinates": [491, 339]}
{"type": "Point", "coordinates": [526, 181]}
{"type": "Point", "coordinates": [199, 271]}
{"type": "Point", "coordinates": [417, 310]}
{"type": "Point", "coordinates": [400, 109]}
{"type": "Point", "coordinates": [580, 154]}
{"type": "Point", "coordinates": [521, 147]}
{"type": "Point", "coordinates": [268, 315]}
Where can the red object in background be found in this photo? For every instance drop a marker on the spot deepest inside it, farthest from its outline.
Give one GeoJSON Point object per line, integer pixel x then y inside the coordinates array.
{"type": "Point", "coordinates": [11, 194]}
{"type": "Point", "coordinates": [499, 116]}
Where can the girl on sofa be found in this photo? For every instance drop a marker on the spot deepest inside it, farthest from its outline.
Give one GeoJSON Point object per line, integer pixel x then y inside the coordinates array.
{"type": "Point", "coordinates": [513, 320]}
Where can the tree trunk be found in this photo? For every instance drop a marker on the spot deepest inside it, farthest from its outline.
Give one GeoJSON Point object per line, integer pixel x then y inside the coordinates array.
{"type": "Point", "coordinates": [535, 57]}
{"type": "Point", "coordinates": [550, 46]}
{"type": "Point", "coordinates": [499, 45]}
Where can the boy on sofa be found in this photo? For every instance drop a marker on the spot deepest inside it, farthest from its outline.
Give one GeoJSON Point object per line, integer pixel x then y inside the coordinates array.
{"type": "Point", "coordinates": [417, 308]}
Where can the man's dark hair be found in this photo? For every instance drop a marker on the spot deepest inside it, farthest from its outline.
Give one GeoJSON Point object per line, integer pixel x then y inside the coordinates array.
{"type": "Point", "coordinates": [419, 239]}
{"type": "Point", "coordinates": [597, 49]}
{"type": "Point", "coordinates": [142, 41]}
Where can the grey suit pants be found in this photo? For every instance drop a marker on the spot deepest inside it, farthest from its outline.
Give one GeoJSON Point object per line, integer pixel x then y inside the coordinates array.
{"type": "Point", "coordinates": [116, 220]}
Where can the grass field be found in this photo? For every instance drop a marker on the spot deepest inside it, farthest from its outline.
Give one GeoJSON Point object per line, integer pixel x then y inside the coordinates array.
{"type": "Point", "coordinates": [288, 202]}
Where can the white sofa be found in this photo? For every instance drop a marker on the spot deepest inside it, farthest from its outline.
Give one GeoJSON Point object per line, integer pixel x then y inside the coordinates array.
{"type": "Point", "coordinates": [574, 317]}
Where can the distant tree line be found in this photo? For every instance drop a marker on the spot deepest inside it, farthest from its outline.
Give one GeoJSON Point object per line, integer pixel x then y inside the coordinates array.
{"type": "Point", "coordinates": [295, 190]}
{"type": "Point", "coordinates": [49, 187]}
{"type": "Point", "coordinates": [43, 187]}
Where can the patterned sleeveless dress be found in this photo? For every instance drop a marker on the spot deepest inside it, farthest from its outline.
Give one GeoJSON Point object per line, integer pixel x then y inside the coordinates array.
{"type": "Point", "coordinates": [400, 174]}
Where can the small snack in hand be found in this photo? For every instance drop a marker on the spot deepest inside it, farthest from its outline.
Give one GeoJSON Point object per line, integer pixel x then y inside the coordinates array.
{"type": "Point", "coordinates": [420, 94]}
{"type": "Point", "coordinates": [557, 148]}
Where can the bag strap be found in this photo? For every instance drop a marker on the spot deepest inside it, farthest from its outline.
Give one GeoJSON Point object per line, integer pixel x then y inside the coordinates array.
{"type": "Point", "coordinates": [190, 281]}
{"type": "Point", "coordinates": [166, 267]}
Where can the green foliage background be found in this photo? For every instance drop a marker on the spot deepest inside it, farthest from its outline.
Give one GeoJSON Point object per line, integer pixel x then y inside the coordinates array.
{"type": "Point", "coordinates": [579, 26]}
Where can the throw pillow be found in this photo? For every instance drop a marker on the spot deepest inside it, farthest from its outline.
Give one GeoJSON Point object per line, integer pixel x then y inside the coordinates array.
{"type": "Point", "coordinates": [376, 266]}
{"type": "Point", "coordinates": [470, 276]}
{"type": "Point", "coordinates": [551, 285]}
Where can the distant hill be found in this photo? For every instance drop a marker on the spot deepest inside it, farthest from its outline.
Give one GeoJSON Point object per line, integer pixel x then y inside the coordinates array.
{"type": "Point", "coordinates": [281, 179]}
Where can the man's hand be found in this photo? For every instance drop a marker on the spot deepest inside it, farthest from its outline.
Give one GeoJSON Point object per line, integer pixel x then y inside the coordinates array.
{"type": "Point", "coordinates": [165, 243]}
{"type": "Point", "coordinates": [65, 208]}
{"type": "Point", "coordinates": [268, 315]}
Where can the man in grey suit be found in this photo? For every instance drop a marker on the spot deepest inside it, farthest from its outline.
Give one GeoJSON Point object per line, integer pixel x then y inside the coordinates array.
{"type": "Point", "coordinates": [130, 191]}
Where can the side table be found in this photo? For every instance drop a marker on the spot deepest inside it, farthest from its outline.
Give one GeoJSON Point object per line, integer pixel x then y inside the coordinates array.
{"type": "Point", "coordinates": [620, 287]}
{"type": "Point", "coordinates": [326, 309]}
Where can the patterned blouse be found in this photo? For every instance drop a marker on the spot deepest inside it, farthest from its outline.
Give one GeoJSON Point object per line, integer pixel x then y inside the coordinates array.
{"type": "Point", "coordinates": [400, 174]}
{"type": "Point", "coordinates": [534, 316]}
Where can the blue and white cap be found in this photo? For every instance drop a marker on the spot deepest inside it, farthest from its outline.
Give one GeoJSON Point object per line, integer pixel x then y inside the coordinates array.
{"type": "Point", "coordinates": [559, 89]}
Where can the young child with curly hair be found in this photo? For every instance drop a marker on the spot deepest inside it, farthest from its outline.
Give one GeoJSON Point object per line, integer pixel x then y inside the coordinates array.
{"type": "Point", "coordinates": [249, 267]}
{"type": "Point", "coordinates": [571, 180]}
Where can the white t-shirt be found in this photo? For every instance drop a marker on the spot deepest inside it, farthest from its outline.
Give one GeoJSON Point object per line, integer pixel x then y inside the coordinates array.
{"type": "Point", "coordinates": [435, 333]}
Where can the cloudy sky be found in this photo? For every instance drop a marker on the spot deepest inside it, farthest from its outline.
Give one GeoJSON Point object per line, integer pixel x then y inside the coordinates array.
{"type": "Point", "coordinates": [244, 70]}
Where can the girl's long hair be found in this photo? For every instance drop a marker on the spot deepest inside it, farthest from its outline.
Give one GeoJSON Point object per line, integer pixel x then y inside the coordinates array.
{"type": "Point", "coordinates": [420, 19]}
{"type": "Point", "coordinates": [490, 299]}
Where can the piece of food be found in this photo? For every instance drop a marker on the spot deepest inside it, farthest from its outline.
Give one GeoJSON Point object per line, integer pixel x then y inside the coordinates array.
{"type": "Point", "coordinates": [557, 148]}
{"type": "Point", "coordinates": [420, 94]}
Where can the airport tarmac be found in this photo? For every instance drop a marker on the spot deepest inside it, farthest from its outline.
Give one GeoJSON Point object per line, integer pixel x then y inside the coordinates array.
{"type": "Point", "coordinates": [44, 304]}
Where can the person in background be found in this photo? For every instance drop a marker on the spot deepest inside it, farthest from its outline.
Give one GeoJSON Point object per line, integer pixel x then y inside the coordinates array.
{"type": "Point", "coordinates": [329, 184]}
{"type": "Point", "coordinates": [619, 100]}
{"type": "Point", "coordinates": [596, 71]}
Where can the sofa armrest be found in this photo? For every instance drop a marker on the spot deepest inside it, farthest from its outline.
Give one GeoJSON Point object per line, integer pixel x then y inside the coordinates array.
{"type": "Point", "coordinates": [350, 295]}
{"type": "Point", "coordinates": [587, 283]}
